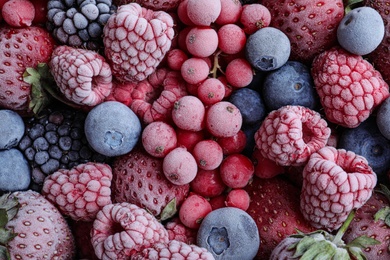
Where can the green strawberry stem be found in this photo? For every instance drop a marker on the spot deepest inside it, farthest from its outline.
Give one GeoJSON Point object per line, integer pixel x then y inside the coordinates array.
{"type": "Point", "coordinates": [340, 233]}
{"type": "Point", "coordinates": [350, 4]}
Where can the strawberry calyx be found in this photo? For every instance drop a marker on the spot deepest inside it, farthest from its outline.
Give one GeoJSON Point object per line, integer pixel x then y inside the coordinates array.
{"type": "Point", "coordinates": [323, 245]}
{"type": "Point", "coordinates": [384, 213]}
{"type": "Point", "coordinates": [9, 207]}
{"type": "Point", "coordinates": [169, 210]}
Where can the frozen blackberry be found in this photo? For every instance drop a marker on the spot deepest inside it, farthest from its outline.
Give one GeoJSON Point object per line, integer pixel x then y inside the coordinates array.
{"type": "Point", "coordinates": [56, 140]}
{"type": "Point", "coordinates": [79, 23]}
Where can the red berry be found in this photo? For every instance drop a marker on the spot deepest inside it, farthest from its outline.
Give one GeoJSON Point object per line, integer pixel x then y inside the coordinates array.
{"type": "Point", "coordinates": [182, 13]}
{"type": "Point", "coordinates": [218, 201]}
{"type": "Point", "coordinates": [203, 12]}
{"type": "Point", "coordinates": [208, 154]}
{"type": "Point", "coordinates": [231, 39]}
{"type": "Point", "coordinates": [230, 12]}
{"type": "Point", "coordinates": [194, 70]}
{"type": "Point", "coordinates": [223, 119]}
{"type": "Point", "coordinates": [239, 73]}
{"type": "Point", "coordinates": [193, 210]}
{"type": "Point", "coordinates": [179, 166]}
{"type": "Point", "coordinates": [264, 167]}
{"type": "Point", "coordinates": [202, 41]}
{"type": "Point", "coordinates": [236, 170]}
{"type": "Point", "coordinates": [188, 139]}
{"type": "Point", "coordinates": [238, 198]}
{"type": "Point", "coordinates": [176, 58]}
{"type": "Point", "coordinates": [254, 17]}
{"type": "Point", "coordinates": [208, 183]}
{"type": "Point", "coordinates": [40, 7]}
{"type": "Point", "coordinates": [233, 144]}
{"type": "Point", "coordinates": [18, 13]}
{"type": "Point", "coordinates": [159, 138]}
{"type": "Point", "coordinates": [188, 113]}
{"type": "Point", "coordinates": [211, 91]}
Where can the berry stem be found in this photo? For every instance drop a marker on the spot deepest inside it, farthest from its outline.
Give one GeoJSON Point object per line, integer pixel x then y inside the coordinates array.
{"type": "Point", "coordinates": [216, 66]}
{"type": "Point", "coordinates": [340, 233]}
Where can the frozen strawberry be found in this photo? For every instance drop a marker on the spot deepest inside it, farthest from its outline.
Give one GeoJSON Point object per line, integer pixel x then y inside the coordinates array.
{"type": "Point", "coordinates": [122, 229]}
{"type": "Point", "coordinates": [349, 87]}
{"type": "Point", "coordinates": [136, 40]}
{"type": "Point", "coordinates": [335, 182]}
{"type": "Point", "coordinates": [83, 76]}
{"type": "Point", "coordinates": [138, 178]}
{"type": "Point", "coordinates": [81, 191]}
{"type": "Point", "coordinates": [291, 134]}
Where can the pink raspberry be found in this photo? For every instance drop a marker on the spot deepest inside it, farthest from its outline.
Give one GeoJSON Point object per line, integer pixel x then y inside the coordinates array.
{"type": "Point", "coordinates": [349, 86]}
{"type": "Point", "coordinates": [289, 135]}
{"type": "Point", "coordinates": [18, 13]}
{"type": "Point", "coordinates": [223, 119]}
{"type": "Point", "coordinates": [174, 250]}
{"type": "Point", "coordinates": [121, 92]}
{"type": "Point", "coordinates": [335, 182]}
{"type": "Point", "coordinates": [122, 229]}
{"type": "Point", "coordinates": [177, 231]}
{"type": "Point", "coordinates": [81, 191]}
{"type": "Point", "coordinates": [159, 138]}
{"type": "Point", "coordinates": [188, 113]}
{"type": "Point", "coordinates": [82, 75]}
{"type": "Point", "coordinates": [179, 166]}
{"type": "Point", "coordinates": [136, 40]}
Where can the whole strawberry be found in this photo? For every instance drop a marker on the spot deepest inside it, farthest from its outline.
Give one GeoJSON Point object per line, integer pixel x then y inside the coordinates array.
{"type": "Point", "coordinates": [21, 48]}
{"type": "Point", "coordinates": [310, 25]}
{"type": "Point", "coordinates": [33, 228]}
{"type": "Point", "coordinates": [138, 178]}
{"type": "Point", "coordinates": [136, 40]}
{"type": "Point", "coordinates": [335, 182]}
{"type": "Point", "coordinates": [349, 87]}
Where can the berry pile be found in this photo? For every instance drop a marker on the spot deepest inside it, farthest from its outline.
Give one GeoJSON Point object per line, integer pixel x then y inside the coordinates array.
{"type": "Point", "coordinates": [194, 129]}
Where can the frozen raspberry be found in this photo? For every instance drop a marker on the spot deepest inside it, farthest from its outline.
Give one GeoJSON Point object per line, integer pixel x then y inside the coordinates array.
{"type": "Point", "coordinates": [179, 166]}
{"type": "Point", "coordinates": [291, 134]}
{"type": "Point", "coordinates": [238, 198]}
{"type": "Point", "coordinates": [121, 92]}
{"type": "Point", "coordinates": [335, 182]}
{"type": "Point", "coordinates": [236, 170]}
{"type": "Point", "coordinates": [254, 17]}
{"type": "Point", "coordinates": [211, 91]}
{"type": "Point", "coordinates": [223, 119]}
{"type": "Point", "coordinates": [202, 41]}
{"type": "Point", "coordinates": [349, 86]}
{"type": "Point", "coordinates": [177, 231]}
{"type": "Point", "coordinates": [159, 138]}
{"type": "Point", "coordinates": [231, 39]}
{"type": "Point", "coordinates": [174, 250]}
{"type": "Point", "coordinates": [193, 210]}
{"type": "Point", "coordinates": [82, 75]}
{"type": "Point", "coordinates": [194, 70]}
{"type": "Point", "coordinates": [81, 191]}
{"type": "Point", "coordinates": [208, 183]}
{"type": "Point", "coordinates": [188, 113]}
{"type": "Point", "coordinates": [239, 73]}
{"type": "Point", "coordinates": [136, 40]}
{"type": "Point", "coordinates": [208, 154]}
{"type": "Point", "coordinates": [203, 12]}
{"type": "Point", "coordinates": [18, 13]}
{"type": "Point", "coordinates": [230, 12]}
{"type": "Point", "coordinates": [122, 229]}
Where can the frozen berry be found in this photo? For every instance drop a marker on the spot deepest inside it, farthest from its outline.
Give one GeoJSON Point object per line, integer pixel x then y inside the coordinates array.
{"type": "Point", "coordinates": [208, 154]}
{"type": "Point", "coordinates": [236, 170]}
{"type": "Point", "coordinates": [188, 113]}
{"type": "Point", "coordinates": [211, 91]}
{"type": "Point", "coordinates": [11, 128]}
{"type": "Point", "coordinates": [223, 119]}
{"type": "Point", "coordinates": [239, 73]}
{"type": "Point", "coordinates": [18, 13]}
{"type": "Point", "coordinates": [193, 210]}
{"type": "Point", "coordinates": [230, 12]}
{"type": "Point", "coordinates": [208, 183]}
{"type": "Point", "coordinates": [264, 167]}
{"type": "Point", "coordinates": [383, 118]}
{"type": "Point", "coordinates": [254, 17]}
{"type": "Point", "coordinates": [202, 41]}
{"type": "Point", "coordinates": [176, 58]}
{"type": "Point", "coordinates": [188, 139]}
{"type": "Point", "coordinates": [233, 144]}
{"type": "Point", "coordinates": [231, 38]}
{"type": "Point", "coordinates": [15, 173]}
{"type": "Point", "coordinates": [203, 12]}
{"type": "Point", "coordinates": [238, 198]}
{"type": "Point", "coordinates": [179, 166]}
{"type": "Point", "coordinates": [159, 138]}
{"type": "Point", "coordinates": [194, 70]}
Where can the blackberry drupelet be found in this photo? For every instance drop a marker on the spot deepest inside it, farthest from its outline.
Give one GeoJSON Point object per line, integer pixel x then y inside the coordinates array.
{"type": "Point", "coordinates": [79, 23]}
{"type": "Point", "coordinates": [56, 140]}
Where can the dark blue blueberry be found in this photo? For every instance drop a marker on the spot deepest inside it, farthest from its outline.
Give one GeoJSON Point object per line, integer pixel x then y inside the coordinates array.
{"type": "Point", "coordinates": [250, 104]}
{"type": "Point", "coordinates": [291, 84]}
{"type": "Point", "coordinates": [367, 140]}
{"type": "Point", "coordinates": [112, 128]}
{"type": "Point", "coordinates": [383, 118]}
{"type": "Point", "coordinates": [229, 233]}
{"type": "Point", "coordinates": [11, 128]}
{"type": "Point", "coordinates": [267, 49]}
{"type": "Point", "coordinates": [249, 131]}
{"type": "Point", "coordinates": [258, 80]}
{"type": "Point", "coordinates": [15, 172]}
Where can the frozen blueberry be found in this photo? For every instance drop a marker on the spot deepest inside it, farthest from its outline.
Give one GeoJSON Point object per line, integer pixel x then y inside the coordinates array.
{"type": "Point", "coordinates": [250, 103]}
{"type": "Point", "coordinates": [249, 131]}
{"type": "Point", "coordinates": [291, 84]}
{"type": "Point", "coordinates": [112, 128]}
{"type": "Point", "coordinates": [15, 172]}
{"type": "Point", "coordinates": [367, 140]}
{"type": "Point", "coordinates": [267, 49]}
{"type": "Point", "coordinates": [229, 233]}
{"type": "Point", "coordinates": [361, 30]}
{"type": "Point", "coordinates": [383, 118]}
{"type": "Point", "coordinates": [11, 128]}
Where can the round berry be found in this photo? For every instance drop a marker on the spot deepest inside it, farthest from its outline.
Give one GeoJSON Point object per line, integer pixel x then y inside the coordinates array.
{"type": "Point", "coordinates": [208, 154]}
{"type": "Point", "coordinates": [203, 12]}
{"type": "Point", "coordinates": [236, 170]}
{"type": "Point", "coordinates": [230, 12]}
{"type": "Point", "coordinates": [11, 128]}
{"type": "Point", "coordinates": [218, 202]}
{"type": "Point", "coordinates": [194, 70]}
{"type": "Point", "coordinates": [208, 183]}
{"type": "Point", "coordinates": [239, 73]}
{"type": "Point", "coordinates": [182, 13]}
{"type": "Point", "coordinates": [383, 118]}
{"type": "Point", "coordinates": [211, 91]}
{"type": "Point", "coordinates": [223, 119]}
{"type": "Point", "coordinates": [238, 198]}
{"type": "Point", "coordinates": [233, 144]}
{"type": "Point", "coordinates": [159, 138]}
{"type": "Point", "coordinates": [202, 41]}
{"type": "Point", "coordinates": [15, 173]}
{"type": "Point", "coordinates": [231, 39]}
{"type": "Point", "coordinates": [193, 210]}
{"type": "Point", "coordinates": [356, 32]}
{"type": "Point", "coordinates": [268, 49]}
{"type": "Point", "coordinates": [254, 17]}
{"type": "Point", "coordinates": [188, 113]}
{"type": "Point", "coordinates": [18, 13]}
{"type": "Point", "coordinates": [179, 166]}
{"type": "Point", "coordinates": [176, 58]}
{"type": "Point", "coordinates": [188, 139]}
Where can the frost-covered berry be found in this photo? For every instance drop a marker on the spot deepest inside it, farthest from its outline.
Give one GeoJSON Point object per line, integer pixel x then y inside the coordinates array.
{"type": "Point", "coordinates": [291, 84]}
{"type": "Point", "coordinates": [112, 128]}
{"type": "Point", "coordinates": [223, 119]}
{"type": "Point", "coordinates": [361, 30]}
{"type": "Point", "coordinates": [11, 128]}
{"type": "Point", "coordinates": [239, 73]}
{"type": "Point", "coordinates": [188, 113]}
{"type": "Point", "coordinates": [158, 139]}
{"type": "Point", "coordinates": [208, 183]}
{"type": "Point", "coordinates": [238, 198]}
{"type": "Point", "coordinates": [229, 233]}
{"type": "Point", "coordinates": [203, 12]}
{"type": "Point", "coordinates": [15, 173]}
{"type": "Point", "coordinates": [383, 118]}
{"type": "Point", "coordinates": [194, 70]}
{"type": "Point", "coordinates": [179, 166]}
{"type": "Point", "coordinates": [202, 41]}
{"type": "Point", "coordinates": [211, 91]}
{"type": "Point", "coordinates": [236, 170]}
{"type": "Point", "coordinates": [268, 49]}
{"type": "Point", "coordinates": [231, 38]}
{"type": "Point", "coordinates": [18, 13]}
{"type": "Point", "coordinates": [193, 210]}
{"type": "Point", "coordinates": [254, 17]}
{"type": "Point", "coordinates": [208, 154]}
{"type": "Point", "coordinates": [230, 12]}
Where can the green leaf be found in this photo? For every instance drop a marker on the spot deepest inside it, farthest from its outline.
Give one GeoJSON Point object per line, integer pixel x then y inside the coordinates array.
{"type": "Point", "coordinates": [169, 210]}
{"type": "Point", "coordinates": [383, 214]}
{"type": "Point", "coordinates": [6, 236]}
{"type": "Point", "coordinates": [357, 253]}
{"type": "Point", "coordinates": [3, 217]}
{"type": "Point", "coordinates": [303, 245]}
{"type": "Point", "coordinates": [363, 242]}
{"type": "Point", "coordinates": [4, 253]}
{"type": "Point", "coordinates": [322, 249]}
